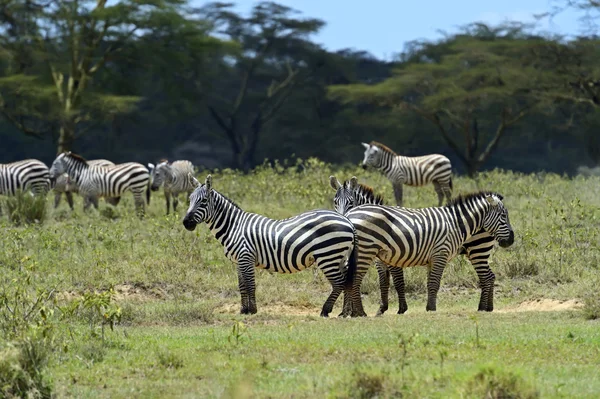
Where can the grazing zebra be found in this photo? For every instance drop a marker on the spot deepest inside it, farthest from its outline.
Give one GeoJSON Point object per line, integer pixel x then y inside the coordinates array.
{"type": "Point", "coordinates": [174, 176]}
{"type": "Point", "coordinates": [478, 248]}
{"type": "Point", "coordinates": [64, 185]}
{"type": "Point", "coordinates": [412, 171]}
{"type": "Point", "coordinates": [104, 181]}
{"type": "Point", "coordinates": [27, 175]}
{"type": "Point", "coordinates": [320, 237]}
{"type": "Point", "coordinates": [403, 237]}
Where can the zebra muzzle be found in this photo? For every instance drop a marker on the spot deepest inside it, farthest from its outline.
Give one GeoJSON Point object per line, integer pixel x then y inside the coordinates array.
{"type": "Point", "coordinates": [189, 224]}
{"type": "Point", "coordinates": [509, 241]}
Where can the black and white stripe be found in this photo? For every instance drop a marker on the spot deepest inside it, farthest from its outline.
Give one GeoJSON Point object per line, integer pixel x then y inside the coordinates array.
{"type": "Point", "coordinates": [403, 237]}
{"type": "Point", "coordinates": [412, 171]}
{"type": "Point", "coordinates": [103, 181]}
{"type": "Point", "coordinates": [478, 248]}
{"type": "Point", "coordinates": [28, 175]}
{"type": "Point", "coordinates": [174, 178]}
{"type": "Point", "coordinates": [64, 185]}
{"type": "Point", "coordinates": [322, 238]}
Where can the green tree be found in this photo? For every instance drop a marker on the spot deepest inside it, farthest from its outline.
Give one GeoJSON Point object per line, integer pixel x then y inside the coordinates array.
{"type": "Point", "coordinates": [472, 87]}
{"type": "Point", "coordinates": [274, 59]}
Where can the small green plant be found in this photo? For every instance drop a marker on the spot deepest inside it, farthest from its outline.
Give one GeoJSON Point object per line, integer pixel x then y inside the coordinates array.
{"type": "Point", "coordinates": [476, 321]}
{"type": "Point", "coordinates": [238, 333]}
{"type": "Point", "coordinates": [26, 208]}
{"type": "Point", "coordinates": [404, 343]}
{"type": "Point", "coordinates": [98, 308]}
{"type": "Point", "coordinates": [495, 384]}
{"type": "Point", "coordinates": [169, 360]}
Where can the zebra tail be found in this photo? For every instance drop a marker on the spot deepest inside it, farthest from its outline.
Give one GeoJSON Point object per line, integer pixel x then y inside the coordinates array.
{"type": "Point", "coordinates": [352, 265]}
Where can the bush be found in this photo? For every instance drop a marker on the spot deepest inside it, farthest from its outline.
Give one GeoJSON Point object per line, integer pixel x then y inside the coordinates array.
{"type": "Point", "coordinates": [25, 208]}
{"type": "Point", "coordinates": [21, 369]}
{"type": "Point", "coordinates": [591, 306]}
{"type": "Point", "coordinates": [495, 384]}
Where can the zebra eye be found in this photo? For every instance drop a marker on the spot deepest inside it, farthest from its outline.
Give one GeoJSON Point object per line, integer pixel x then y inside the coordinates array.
{"type": "Point", "coordinates": [203, 201]}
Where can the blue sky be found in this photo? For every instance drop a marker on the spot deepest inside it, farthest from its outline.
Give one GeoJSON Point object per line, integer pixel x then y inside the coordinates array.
{"type": "Point", "coordinates": [383, 26]}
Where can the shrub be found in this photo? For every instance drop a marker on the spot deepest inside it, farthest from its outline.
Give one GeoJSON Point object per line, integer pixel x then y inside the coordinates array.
{"type": "Point", "coordinates": [495, 384]}
{"type": "Point", "coordinates": [24, 208]}
{"type": "Point", "coordinates": [591, 306]}
{"type": "Point", "coordinates": [21, 369]}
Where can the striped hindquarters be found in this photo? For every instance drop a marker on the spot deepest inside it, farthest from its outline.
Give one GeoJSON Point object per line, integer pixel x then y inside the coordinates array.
{"type": "Point", "coordinates": [27, 175]}
{"type": "Point", "coordinates": [64, 184]}
{"type": "Point", "coordinates": [180, 182]}
{"type": "Point", "coordinates": [112, 181]}
{"type": "Point", "coordinates": [419, 171]}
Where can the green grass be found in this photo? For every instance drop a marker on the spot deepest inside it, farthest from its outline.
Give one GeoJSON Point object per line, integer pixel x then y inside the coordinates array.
{"type": "Point", "coordinates": [179, 334]}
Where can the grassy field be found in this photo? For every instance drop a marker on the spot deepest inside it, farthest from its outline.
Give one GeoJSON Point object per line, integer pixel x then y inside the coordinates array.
{"type": "Point", "coordinates": [174, 299]}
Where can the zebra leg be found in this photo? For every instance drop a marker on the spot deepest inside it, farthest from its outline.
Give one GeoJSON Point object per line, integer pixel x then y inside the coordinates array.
{"type": "Point", "coordinates": [439, 191]}
{"type": "Point", "coordinates": [433, 281]}
{"type": "Point", "coordinates": [247, 285]}
{"type": "Point", "coordinates": [357, 306]}
{"type": "Point", "coordinates": [57, 199]}
{"type": "Point", "coordinates": [398, 192]}
{"type": "Point", "coordinates": [94, 201]}
{"type": "Point", "coordinates": [140, 204]}
{"type": "Point", "coordinates": [486, 282]}
{"type": "Point", "coordinates": [175, 201]}
{"type": "Point", "coordinates": [87, 202]}
{"type": "Point", "coordinates": [69, 196]}
{"type": "Point", "coordinates": [337, 286]}
{"type": "Point", "coordinates": [398, 277]}
{"type": "Point", "coordinates": [384, 285]}
{"type": "Point", "coordinates": [168, 200]}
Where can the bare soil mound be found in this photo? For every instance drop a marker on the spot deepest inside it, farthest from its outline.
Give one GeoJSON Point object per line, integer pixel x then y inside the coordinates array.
{"type": "Point", "coordinates": [543, 305]}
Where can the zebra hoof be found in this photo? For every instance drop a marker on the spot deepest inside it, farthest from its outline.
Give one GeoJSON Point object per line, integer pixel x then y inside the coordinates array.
{"type": "Point", "coordinates": [402, 309]}
{"type": "Point", "coordinates": [359, 314]}
{"type": "Point", "coordinates": [430, 308]}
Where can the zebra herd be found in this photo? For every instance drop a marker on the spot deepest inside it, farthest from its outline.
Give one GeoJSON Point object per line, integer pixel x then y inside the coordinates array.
{"type": "Point", "coordinates": [343, 243]}
{"type": "Point", "coordinates": [93, 179]}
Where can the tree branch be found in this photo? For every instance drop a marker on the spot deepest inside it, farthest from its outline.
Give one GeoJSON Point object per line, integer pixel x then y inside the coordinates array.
{"type": "Point", "coordinates": [228, 130]}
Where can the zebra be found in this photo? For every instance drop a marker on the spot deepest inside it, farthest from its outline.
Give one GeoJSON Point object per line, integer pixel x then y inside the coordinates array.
{"type": "Point", "coordinates": [103, 181]}
{"type": "Point", "coordinates": [403, 237]}
{"type": "Point", "coordinates": [478, 248]}
{"type": "Point", "coordinates": [64, 185]}
{"type": "Point", "coordinates": [319, 237]}
{"type": "Point", "coordinates": [412, 171]}
{"type": "Point", "coordinates": [28, 175]}
{"type": "Point", "coordinates": [174, 176]}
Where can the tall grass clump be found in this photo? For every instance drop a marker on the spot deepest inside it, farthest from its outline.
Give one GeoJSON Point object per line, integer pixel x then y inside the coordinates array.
{"type": "Point", "coordinates": [497, 384]}
{"type": "Point", "coordinates": [25, 208]}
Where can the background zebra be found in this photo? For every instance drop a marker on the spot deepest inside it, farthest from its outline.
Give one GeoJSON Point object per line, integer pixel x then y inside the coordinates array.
{"type": "Point", "coordinates": [27, 175]}
{"type": "Point", "coordinates": [323, 238]}
{"type": "Point", "coordinates": [412, 171]}
{"type": "Point", "coordinates": [174, 177]}
{"type": "Point", "coordinates": [478, 248]}
{"type": "Point", "coordinates": [104, 181]}
{"type": "Point", "coordinates": [403, 237]}
{"type": "Point", "coordinates": [64, 185]}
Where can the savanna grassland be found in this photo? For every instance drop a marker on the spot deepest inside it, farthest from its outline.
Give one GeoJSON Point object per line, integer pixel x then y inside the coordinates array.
{"type": "Point", "coordinates": [172, 298]}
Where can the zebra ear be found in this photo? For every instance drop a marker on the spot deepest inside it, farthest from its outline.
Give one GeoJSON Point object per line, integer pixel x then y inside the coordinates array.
{"type": "Point", "coordinates": [208, 182]}
{"type": "Point", "coordinates": [367, 146]}
{"type": "Point", "coordinates": [193, 181]}
{"type": "Point", "coordinates": [335, 183]}
{"type": "Point", "coordinates": [150, 166]}
{"type": "Point", "coordinates": [492, 200]}
{"type": "Point", "coordinates": [353, 182]}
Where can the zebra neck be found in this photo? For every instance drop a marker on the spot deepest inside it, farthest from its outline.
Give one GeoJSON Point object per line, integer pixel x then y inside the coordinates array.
{"type": "Point", "coordinates": [467, 218]}
{"type": "Point", "coordinates": [75, 170]}
{"type": "Point", "coordinates": [391, 165]}
{"type": "Point", "coordinates": [226, 220]}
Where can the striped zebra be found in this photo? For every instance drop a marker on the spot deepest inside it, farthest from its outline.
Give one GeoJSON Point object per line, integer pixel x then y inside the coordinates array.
{"type": "Point", "coordinates": [104, 181]}
{"type": "Point", "coordinates": [322, 238]}
{"type": "Point", "coordinates": [28, 175]}
{"type": "Point", "coordinates": [403, 237]}
{"type": "Point", "coordinates": [64, 185]}
{"type": "Point", "coordinates": [478, 248]}
{"type": "Point", "coordinates": [412, 171]}
{"type": "Point", "coordinates": [174, 177]}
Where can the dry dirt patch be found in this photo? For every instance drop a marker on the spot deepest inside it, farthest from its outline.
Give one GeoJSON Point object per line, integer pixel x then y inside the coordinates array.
{"type": "Point", "coordinates": [279, 309]}
{"type": "Point", "coordinates": [124, 292]}
{"type": "Point", "coordinates": [543, 305]}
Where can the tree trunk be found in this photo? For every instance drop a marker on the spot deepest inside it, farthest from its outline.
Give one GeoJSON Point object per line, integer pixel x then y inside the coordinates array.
{"type": "Point", "coordinates": [66, 136]}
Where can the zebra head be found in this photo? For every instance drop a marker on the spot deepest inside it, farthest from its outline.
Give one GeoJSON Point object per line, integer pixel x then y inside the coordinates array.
{"type": "Point", "coordinates": [58, 166]}
{"type": "Point", "coordinates": [159, 174]}
{"type": "Point", "coordinates": [200, 203]}
{"type": "Point", "coordinates": [496, 222]}
{"type": "Point", "coordinates": [345, 197]}
{"type": "Point", "coordinates": [373, 156]}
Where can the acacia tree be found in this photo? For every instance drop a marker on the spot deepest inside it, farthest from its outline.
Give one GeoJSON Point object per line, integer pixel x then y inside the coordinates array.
{"type": "Point", "coordinates": [76, 40]}
{"type": "Point", "coordinates": [457, 83]}
{"type": "Point", "coordinates": [273, 59]}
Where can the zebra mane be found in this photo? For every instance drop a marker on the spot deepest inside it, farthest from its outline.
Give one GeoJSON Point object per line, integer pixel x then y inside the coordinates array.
{"type": "Point", "coordinates": [164, 160]}
{"type": "Point", "coordinates": [76, 157]}
{"type": "Point", "coordinates": [227, 199]}
{"type": "Point", "coordinates": [383, 147]}
{"type": "Point", "coordinates": [367, 193]}
{"type": "Point", "coordinates": [464, 198]}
